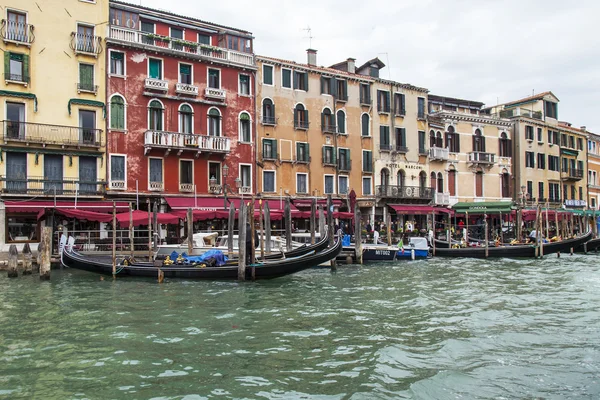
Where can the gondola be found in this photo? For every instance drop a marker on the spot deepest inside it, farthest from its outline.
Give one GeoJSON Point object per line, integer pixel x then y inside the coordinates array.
{"type": "Point", "coordinates": [591, 245]}
{"type": "Point", "coordinates": [516, 251]}
{"type": "Point", "coordinates": [268, 269]}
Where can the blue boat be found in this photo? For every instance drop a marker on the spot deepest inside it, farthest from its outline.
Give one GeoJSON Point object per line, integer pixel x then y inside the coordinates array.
{"type": "Point", "coordinates": [416, 245]}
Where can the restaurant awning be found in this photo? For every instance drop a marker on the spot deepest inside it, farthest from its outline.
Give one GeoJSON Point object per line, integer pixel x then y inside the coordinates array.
{"type": "Point", "coordinates": [35, 206]}
{"type": "Point", "coordinates": [483, 207]}
{"type": "Point", "coordinates": [141, 218]}
{"type": "Point", "coordinates": [412, 209]}
{"type": "Point", "coordinates": [216, 203]}
{"type": "Point", "coordinates": [308, 202]}
{"type": "Point", "coordinates": [83, 215]}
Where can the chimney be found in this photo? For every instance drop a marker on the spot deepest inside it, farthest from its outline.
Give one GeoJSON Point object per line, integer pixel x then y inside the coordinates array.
{"type": "Point", "coordinates": [312, 57]}
{"type": "Point", "coordinates": [351, 65]}
{"type": "Point", "coordinates": [583, 128]}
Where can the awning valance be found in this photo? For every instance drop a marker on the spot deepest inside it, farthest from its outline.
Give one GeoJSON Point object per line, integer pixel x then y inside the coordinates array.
{"type": "Point", "coordinates": [21, 95]}
{"type": "Point", "coordinates": [34, 206]}
{"type": "Point", "coordinates": [85, 215]}
{"type": "Point", "coordinates": [484, 207]}
{"type": "Point", "coordinates": [216, 203]}
{"type": "Point", "coordinates": [308, 202]}
{"type": "Point", "coordinates": [141, 218]}
{"type": "Point", "coordinates": [91, 103]}
{"type": "Point", "coordinates": [412, 209]}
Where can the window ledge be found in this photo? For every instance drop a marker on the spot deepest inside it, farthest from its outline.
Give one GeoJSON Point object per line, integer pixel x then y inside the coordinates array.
{"type": "Point", "coordinates": [24, 84]}
{"type": "Point", "coordinates": [383, 112]}
{"type": "Point", "coordinates": [341, 100]}
{"type": "Point", "coordinates": [364, 104]}
{"type": "Point", "coordinates": [118, 130]}
{"type": "Point", "coordinates": [124, 77]}
{"type": "Point", "coordinates": [243, 142]}
{"type": "Point", "coordinates": [366, 137]}
{"type": "Point", "coordinates": [244, 95]}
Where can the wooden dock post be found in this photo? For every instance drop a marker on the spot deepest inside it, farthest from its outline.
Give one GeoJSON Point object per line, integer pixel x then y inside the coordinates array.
{"type": "Point", "coordinates": [433, 238]}
{"type": "Point", "coordinates": [357, 235]}
{"type": "Point", "coordinates": [13, 261]}
{"type": "Point", "coordinates": [27, 260]}
{"type": "Point", "coordinates": [267, 228]}
{"type": "Point", "coordinates": [547, 225]}
{"type": "Point", "coordinates": [45, 250]}
{"type": "Point", "coordinates": [313, 226]}
{"type": "Point", "coordinates": [487, 244]}
{"type": "Point", "coordinates": [149, 231]}
{"type": "Point", "coordinates": [131, 245]}
{"type": "Point", "coordinates": [330, 227]}
{"type": "Point", "coordinates": [250, 212]}
{"type": "Point", "coordinates": [467, 231]}
{"type": "Point", "coordinates": [321, 222]}
{"type": "Point", "coordinates": [389, 229]}
{"type": "Point", "coordinates": [537, 231]}
{"type": "Point", "coordinates": [114, 241]}
{"type": "Point", "coordinates": [288, 224]}
{"type": "Point", "coordinates": [242, 242]}
{"type": "Point", "coordinates": [541, 239]}
{"type": "Point", "coordinates": [38, 259]}
{"type": "Point", "coordinates": [262, 232]}
{"type": "Point", "coordinates": [230, 229]}
{"type": "Point", "coordinates": [190, 231]}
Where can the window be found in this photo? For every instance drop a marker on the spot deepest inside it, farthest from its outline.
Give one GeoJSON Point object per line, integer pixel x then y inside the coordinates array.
{"type": "Point", "coordinates": [367, 161]}
{"type": "Point", "coordinates": [342, 90]}
{"type": "Point", "coordinates": [365, 93]}
{"type": "Point", "coordinates": [329, 184]}
{"type": "Point", "coordinates": [366, 186]}
{"type": "Point", "coordinates": [383, 101]}
{"type": "Point", "coordinates": [572, 192]}
{"type": "Point", "coordinates": [239, 44]}
{"type": "Point", "coordinates": [572, 142]}
{"type": "Point", "coordinates": [565, 166]}
{"type": "Point", "coordinates": [286, 78]}
{"type": "Point", "coordinates": [479, 184]}
{"type": "Point", "coordinates": [505, 145]}
{"type": "Point", "coordinates": [177, 34]}
{"type": "Point", "coordinates": [214, 171]}
{"type": "Point", "coordinates": [327, 121]}
{"type": "Point", "coordinates": [185, 74]}
{"type": "Point", "coordinates": [452, 182]}
{"type": "Point", "coordinates": [328, 155]}
{"type": "Point", "coordinates": [554, 192]}
{"type": "Point", "coordinates": [342, 184]}
{"type": "Point", "coordinates": [87, 125]}
{"type": "Point", "coordinates": [245, 135]}
{"type": "Point", "coordinates": [422, 142]}
{"type": "Point", "coordinates": [245, 85]}
{"type": "Point", "coordinates": [432, 142]}
{"type": "Point", "coordinates": [553, 163]}
{"type": "Point", "coordinates": [401, 140]}
{"type": "Point", "coordinates": [540, 137]}
{"type": "Point", "coordinates": [302, 152]}
{"type": "Point", "coordinates": [529, 132]}
{"type": "Point", "coordinates": [420, 108]}
{"type": "Point", "coordinates": [593, 201]}
{"type": "Point", "coordinates": [579, 144]}
{"type": "Point", "coordinates": [478, 141]}
{"type": "Point", "coordinates": [117, 63]}
{"type": "Point", "coordinates": [301, 183]}
{"type": "Point", "coordinates": [85, 42]}
{"type": "Point", "coordinates": [269, 149]}
{"type": "Point", "coordinates": [186, 173]}
{"type": "Point", "coordinates": [551, 109]}
{"type": "Point", "coordinates": [15, 124]}
{"type": "Point", "coordinates": [156, 173]}
{"type": "Point", "coordinates": [148, 28]}
{"type": "Point", "coordinates": [301, 80]}
{"type": "Point", "coordinates": [16, 67]}
{"type": "Point", "coordinates": [155, 69]}
{"type": "Point", "coordinates": [245, 176]}
{"type": "Point", "coordinates": [529, 159]}
{"type": "Point", "coordinates": [440, 182]}
{"type": "Point", "coordinates": [204, 39]}
{"type": "Point", "coordinates": [326, 85]}
{"type": "Point", "coordinates": [563, 140]}
{"type": "Point", "coordinates": [580, 193]}
{"type": "Point", "coordinates": [365, 125]}
{"type": "Point", "coordinates": [399, 104]}
{"type": "Point", "coordinates": [541, 161]}
{"type": "Point", "coordinates": [155, 115]}
{"type": "Point", "coordinates": [186, 119]}
{"type": "Point", "coordinates": [269, 181]}
{"type": "Point", "coordinates": [580, 165]}
{"type": "Point", "coordinates": [300, 117]}
{"type": "Point", "coordinates": [541, 191]}
{"type": "Point", "coordinates": [16, 27]}
{"type": "Point", "coordinates": [565, 193]}
{"type": "Point", "coordinates": [452, 140]}
{"type": "Point", "coordinates": [118, 168]}
{"type": "Point", "coordinates": [268, 117]}
{"type": "Point", "coordinates": [341, 122]}
{"type": "Point", "coordinates": [344, 160]}
{"type": "Point", "coordinates": [530, 190]}
{"type": "Point", "coordinates": [86, 78]}
{"type": "Point", "coordinates": [384, 138]}
{"type": "Point", "coordinates": [214, 122]}
{"type": "Point", "coordinates": [214, 78]}
{"type": "Point", "coordinates": [268, 75]}
{"type": "Point", "coordinates": [117, 113]}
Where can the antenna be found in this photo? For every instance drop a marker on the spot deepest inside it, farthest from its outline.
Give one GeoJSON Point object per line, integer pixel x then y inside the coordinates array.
{"type": "Point", "coordinates": [310, 37]}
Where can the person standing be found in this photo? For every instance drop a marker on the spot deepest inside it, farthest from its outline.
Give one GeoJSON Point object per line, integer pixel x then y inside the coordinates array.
{"type": "Point", "coordinates": [375, 236]}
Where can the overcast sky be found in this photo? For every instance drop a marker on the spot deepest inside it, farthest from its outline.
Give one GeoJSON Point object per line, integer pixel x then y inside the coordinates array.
{"type": "Point", "coordinates": [490, 51]}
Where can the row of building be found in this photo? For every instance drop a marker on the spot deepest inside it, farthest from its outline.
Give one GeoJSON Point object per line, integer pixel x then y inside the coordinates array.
{"type": "Point", "coordinates": [106, 100]}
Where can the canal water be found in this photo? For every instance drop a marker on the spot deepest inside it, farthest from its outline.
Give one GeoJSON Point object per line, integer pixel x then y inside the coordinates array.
{"type": "Point", "coordinates": [437, 329]}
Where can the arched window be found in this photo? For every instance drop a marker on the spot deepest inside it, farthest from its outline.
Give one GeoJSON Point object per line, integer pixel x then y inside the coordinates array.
{"type": "Point", "coordinates": [327, 121]}
{"type": "Point", "coordinates": [214, 122]}
{"type": "Point", "coordinates": [431, 139]}
{"type": "Point", "coordinates": [155, 115]}
{"type": "Point", "coordinates": [505, 184]}
{"type": "Point", "coordinates": [452, 181]}
{"type": "Point", "coordinates": [440, 182]}
{"type": "Point", "coordinates": [245, 133]}
{"type": "Point", "coordinates": [268, 117]}
{"type": "Point", "coordinates": [439, 142]}
{"type": "Point", "coordinates": [478, 141]}
{"type": "Point", "coordinates": [385, 177]}
{"type": "Point", "coordinates": [452, 140]}
{"type": "Point", "coordinates": [433, 181]}
{"type": "Point", "coordinates": [401, 178]}
{"type": "Point", "coordinates": [364, 125]}
{"type": "Point", "coordinates": [422, 180]}
{"type": "Point", "coordinates": [186, 119]}
{"type": "Point", "coordinates": [479, 183]}
{"type": "Point", "coordinates": [341, 121]}
{"type": "Point", "coordinates": [505, 145]}
{"type": "Point", "coordinates": [117, 112]}
{"type": "Point", "coordinates": [300, 117]}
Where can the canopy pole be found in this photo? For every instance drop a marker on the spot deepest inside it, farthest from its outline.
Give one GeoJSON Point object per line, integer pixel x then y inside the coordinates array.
{"type": "Point", "coordinates": [131, 247]}
{"type": "Point", "coordinates": [467, 231]}
{"type": "Point", "coordinates": [242, 242]}
{"type": "Point", "coordinates": [262, 237]}
{"type": "Point", "coordinates": [114, 241]}
{"type": "Point", "coordinates": [433, 238]}
{"type": "Point", "coordinates": [487, 243]}
{"type": "Point", "coordinates": [501, 226]}
{"type": "Point", "coordinates": [547, 227]}
{"type": "Point", "coordinates": [541, 239]}
{"type": "Point", "coordinates": [357, 234]}
{"type": "Point", "coordinates": [267, 228]}
{"type": "Point", "coordinates": [537, 231]}
{"type": "Point", "coordinates": [313, 227]}
{"type": "Point", "coordinates": [230, 226]}
{"type": "Point", "coordinates": [149, 231]}
{"type": "Point", "coordinates": [190, 229]}
{"type": "Point", "coordinates": [556, 231]}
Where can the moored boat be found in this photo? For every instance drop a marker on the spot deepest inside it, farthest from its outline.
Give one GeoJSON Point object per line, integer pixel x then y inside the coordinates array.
{"type": "Point", "coordinates": [417, 245]}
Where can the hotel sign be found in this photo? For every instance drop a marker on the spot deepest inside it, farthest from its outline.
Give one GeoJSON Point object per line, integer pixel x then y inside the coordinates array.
{"type": "Point", "coordinates": [575, 203]}
{"type": "Point", "coordinates": [404, 166]}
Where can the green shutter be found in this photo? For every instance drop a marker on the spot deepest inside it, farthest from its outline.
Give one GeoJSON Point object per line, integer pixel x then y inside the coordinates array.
{"type": "Point", "coordinates": [323, 121]}
{"type": "Point", "coordinates": [348, 158]}
{"type": "Point", "coordinates": [274, 147]}
{"type": "Point", "coordinates": [345, 90]}
{"type": "Point", "coordinates": [305, 76]}
{"type": "Point", "coordinates": [26, 67]}
{"type": "Point", "coordinates": [334, 87]}
{"type": "Point", "coordinates": [334, 155]}
{"type": "Point", "coordinates": [286, 78]}
{"type": "Point", "coordinates": [6, 63]}
{"type": "Point", "coordinates": [387, 96]}
{"type": "Point", "coordinates": [307, 151]}
{"type": "Point", "coordinates": [324, 151]}
{"type": "Point", "coordinates": [306, 117]}
{"type": "Point", "coordinates": [403, 136]}
{"type": "Point", "coordinates": [323, 82]}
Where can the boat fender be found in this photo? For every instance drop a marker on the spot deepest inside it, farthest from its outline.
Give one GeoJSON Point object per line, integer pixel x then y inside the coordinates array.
{"type": "Point", "coordinates": [167, 261]}
{"type": "Point", "coordinates": [456, 246]}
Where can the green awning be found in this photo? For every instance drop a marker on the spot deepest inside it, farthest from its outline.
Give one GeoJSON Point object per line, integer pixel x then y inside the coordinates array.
{"type": "Point", "coordinates": [568, 152]}
{"type": "Point", "coordinates": [63, 152]}
{"type": "Point", "coordinates": [21, 95]}
{"type": "Point", "coordinates": [484, 207]}
{"type": "Point", "coordinates": [91, 103]}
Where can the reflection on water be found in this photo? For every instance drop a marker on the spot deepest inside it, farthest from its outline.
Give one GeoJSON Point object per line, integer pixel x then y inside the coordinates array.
{"type": "Point", "coordinates": [428, 330]}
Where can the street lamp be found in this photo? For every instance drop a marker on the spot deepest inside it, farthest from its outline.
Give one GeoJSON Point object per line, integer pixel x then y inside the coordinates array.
{"type": "Point", "coordinates": [225, 173]}
{"type": "Point", "coordinates": [238, 185]}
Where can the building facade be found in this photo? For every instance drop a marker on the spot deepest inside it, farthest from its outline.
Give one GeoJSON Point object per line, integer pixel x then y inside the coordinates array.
{"type": "Point", "coordinates": [180, 94]}
{"type": "Point", "coordinates": [593, 174]}
{"type": "Point", "coordinates": [53, 108]}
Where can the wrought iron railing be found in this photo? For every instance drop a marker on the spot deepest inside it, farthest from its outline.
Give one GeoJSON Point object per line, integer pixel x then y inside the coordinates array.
{"type": "Point", "coordinates": [87, 87]}
{"type": "Point", "coordinates": [16, 78]}
{"type": "Point", "coordinates": [19, 32]}
{"type": "Point", "coordinates": [404, 192]}
{"type": "Point", "coordinates": [51, 134]}
{"type": "Point", "coordinates": [268, 120]}
{"type": "Point", "coordinates": [574, 173]}
{"type": "Point", "coordinates": [86, 44]}
{"type": "Point", "coordinates": [40, 186]}
{"type": "Point", "coordinates": [299, 124]}
{"type": "Point", "coordinates": [328, 128]}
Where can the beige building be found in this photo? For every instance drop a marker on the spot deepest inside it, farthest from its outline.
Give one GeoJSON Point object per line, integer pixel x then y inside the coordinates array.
{"type": "Point", "coordinates": [470, 153]}
{"type": "Point", "coordinates": [593, 165]}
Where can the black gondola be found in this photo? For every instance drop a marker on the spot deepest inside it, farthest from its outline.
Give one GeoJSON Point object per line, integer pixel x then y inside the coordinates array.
{"type": "Point", "coordinates": [592, 245]}
{"type": "Point", "coordinates": [516, 251]}
{"type": "Point", "coordinates": [265, 270]}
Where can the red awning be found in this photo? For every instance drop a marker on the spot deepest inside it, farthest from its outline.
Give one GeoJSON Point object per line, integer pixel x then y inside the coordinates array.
{"type": "Point", "coordinates": [529, 215]}
{"type": "Point", "coordinates": [308, 202]}
{"type": "Point", "coordinates": [83, 215]}
{"type": "Point", "coordinates": [216, 203]}
{"type": "Point", "coordinates": [35, 206]}
{"type": "Point", "coordinates": [141, 218]}
{"type": "Point", "coordinates": [418, 209]}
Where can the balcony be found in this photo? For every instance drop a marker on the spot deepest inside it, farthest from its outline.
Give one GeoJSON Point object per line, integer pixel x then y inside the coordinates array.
{"type": "Point", "coordinates": [16, 78]}
{"type": "Point", "coordinates": [438, 154]}
{"type": "Point", "coordinates": [385, 147]}
{"type": "Point", "coordinates": [245, 190]}
{"type": "Point", "coordinates": [116, 184]}
{"type": "Point", "coordinates": [160, 43]}
{"type": "Point", "coordinates": [477, 157]}
{"type": "Point", "coordinates": [520, 112]}
{"type": "Point", "coordinates": [404, 192]}
{"type": "Point", "coordinates": [401, 149]}
{"type": "Point", "coordinates": [86, 44]}
{"type": "Point", "coordinates": [180, 142]}
{"type": "Point", "coordinates": [328, 128]}
{"type": "Point", "coordinates": [213, 93]}
{"type": "Point", "coordinates": [573, 174]}
{"type": "Point", "coordinates": [269, 120]}
{"type": "Point", "coordinates": [298, 124]}
{"type": "Point", "coordinates": [29, 133]}
{"type": "Point", "coordinates": [156, 84]}
{"type": "Point", "coordinates": [87, 88]}
{"type": "Point", "coordinates": [344, 165]}
{"type": "Point", "coordinates": [187, 89]}
{"type": "Point", "coordinates": [17, 32]}
{"type": "Point", "coordinates": [328, 160]}
{"type": "Point", "coordinates": [40, 186]}
{"type": "Point", "coordinates": [156, 186]}
{"type": "Point", "coordinates": [441, 198]}
{"type": "Point", "coordinates": [186, 187]}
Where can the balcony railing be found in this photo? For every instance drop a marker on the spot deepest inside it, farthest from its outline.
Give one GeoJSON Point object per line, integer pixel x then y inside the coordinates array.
{"type": "Point", "coordinates": [144, 39]}
{"type": "Point", "coordinates": [186, 187]}
{"type": "Point", "coordinates": [269, 120]}
{"type": "Point", "coordinates": [185, 88]}
{"type": "Point", "coordinates": [87, 87]}
{"type": "Point", "coordinates": [522, 112]}
{"type": "Point", "coordinates": [214, 93]}
{"type": "Point", "coordinates": [156, 84]}
{"type": "Point", "coordinates": [20, 78]}
{"type": "Point", "coordinates": [438, 153]}
{"type": "Point", "coordinates": [27, 132]}
{"type": "Point", "coordinates": [404, 192]}
{"type": "Point", "coordinates": [117, 184]}
{"type": "Point", "coordinates": [17, 32]}
{"type": "Point", "coordinates": [478, 157]}
{"type": "Point", "coordinates": [185, 141]}
{"type": "Point", "coordinates": [328, 160]}
{"type": "Point", "coordinates": [298, 124]}
{"type": "Point", "coordinates": [441, 198]}
{"type": "Point", "coordinates": [269, 155]}
{"type": "Point", "coordinates": [86, 44]}
{"type": "Point", "coordinates": [401, 149]}
{"type": "Point", "coordinates": [344, 165]}
{"type": "Point", "coordinates": [40, 186]}
{"type": "Point", "coordinates": [245, 190]}
{"type": "Point", "coordinates": [573, 174]}
{"type": "Point", "coordinates": [328, 128]}
{"type": "Point", "coordinates": [156, 186]}
{"type": "Point", "coordinates": [385, 147]}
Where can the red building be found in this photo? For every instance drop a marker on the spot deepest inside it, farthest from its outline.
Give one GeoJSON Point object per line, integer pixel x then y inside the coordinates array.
{"type": "Point", "coordinates": [180, 104]}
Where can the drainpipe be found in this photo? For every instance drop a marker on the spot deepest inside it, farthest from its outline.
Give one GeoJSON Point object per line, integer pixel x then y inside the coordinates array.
{"type": "Point", "coordinates": [255, 133]}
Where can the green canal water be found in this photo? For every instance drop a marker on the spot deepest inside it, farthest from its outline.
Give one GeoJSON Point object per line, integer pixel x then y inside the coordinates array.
{"type": "Point", "coordinates": [438, 329]}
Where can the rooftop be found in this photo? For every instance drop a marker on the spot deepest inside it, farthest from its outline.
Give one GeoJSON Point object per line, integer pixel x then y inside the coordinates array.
{"type": "Point", "coordinates": [452, 100]}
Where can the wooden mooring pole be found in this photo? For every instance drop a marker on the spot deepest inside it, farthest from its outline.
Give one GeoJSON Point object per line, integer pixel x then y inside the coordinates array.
{"type": "Point", "coordinates": [267, 228]}
{"type": "Point", "coordinates": [252, 238]}
{"type": "Point", "coordinates": [27, 260]}
{"type": "Point", "coordinates": [131, 246]}
{"type": "Point", "coordinates": [114, 241]}
{"type": "Point", "coordinates": [45, 250]}
{"type": "Point", "coordinates": [330, 228]}
{"type": "Point", "coordinates": [313, 226]}
{"type": "Point", "coordinates": [357, 235]}
{"type": "Point", "coordinates": [230, 229]}
{"type": "Point", "coordinates": [149, 231]}
{"type": "Point", "coordinates": [242, 242]}
{"type": "Point", "coordinates": [190, 231]}
{"type": "Point", "coordinates": [13, 261]}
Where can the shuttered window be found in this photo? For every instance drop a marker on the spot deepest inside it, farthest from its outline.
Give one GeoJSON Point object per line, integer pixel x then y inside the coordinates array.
{"type": "Point", "coordinates": [268, 74]}
{"type": "Point", "coordinates": [117, 113]}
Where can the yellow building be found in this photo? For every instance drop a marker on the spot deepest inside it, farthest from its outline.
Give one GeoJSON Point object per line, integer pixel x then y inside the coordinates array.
{"type": "Point", "coordinates": [53, 114]}
{"type": "Point", "coordinates": [314, 130]}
